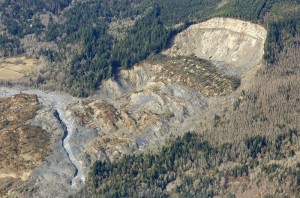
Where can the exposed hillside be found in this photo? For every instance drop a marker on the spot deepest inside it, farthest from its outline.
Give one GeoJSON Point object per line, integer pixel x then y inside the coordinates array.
{"type": "Point", "coordinates": [237, 44]}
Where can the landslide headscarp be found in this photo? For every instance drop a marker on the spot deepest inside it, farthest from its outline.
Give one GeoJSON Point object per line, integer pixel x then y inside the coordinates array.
{"type": "Point", "coordinates": [237, 44]}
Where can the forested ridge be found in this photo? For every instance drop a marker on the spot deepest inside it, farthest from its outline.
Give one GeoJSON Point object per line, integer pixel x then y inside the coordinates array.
{"type": "Point", "coordinates": [192, 166]}
{"type": "Point", "coordinates": [97, 38]}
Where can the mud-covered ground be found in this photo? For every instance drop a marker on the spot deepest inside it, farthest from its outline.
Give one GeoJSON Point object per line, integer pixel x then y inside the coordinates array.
{"type": "Point", "coordinates": [60, 167]}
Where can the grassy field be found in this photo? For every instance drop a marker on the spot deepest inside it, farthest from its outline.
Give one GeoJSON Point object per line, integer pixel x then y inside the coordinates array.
{"type": "Point", "coordinates": [16, 68]}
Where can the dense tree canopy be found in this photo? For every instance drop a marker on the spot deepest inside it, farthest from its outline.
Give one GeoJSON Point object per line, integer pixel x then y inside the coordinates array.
{"type": "Point", "coordinates": [148, 175]}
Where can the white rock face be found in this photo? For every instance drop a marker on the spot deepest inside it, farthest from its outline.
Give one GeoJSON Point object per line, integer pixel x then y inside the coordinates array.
{"type": "Point", "coordinates": [233, 42]}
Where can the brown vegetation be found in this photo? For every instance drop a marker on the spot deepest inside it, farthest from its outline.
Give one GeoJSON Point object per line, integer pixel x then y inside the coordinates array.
{"type": "Point", "coordinates": [22, 146]}
{"type": "Point", "coordinates": [196, 73]}
{"type": "Point", "coordinates": [16, 68]}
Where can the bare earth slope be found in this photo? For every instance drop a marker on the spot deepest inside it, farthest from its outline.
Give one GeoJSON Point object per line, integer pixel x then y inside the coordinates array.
{"type": "Point", "coordinates": [233, 42]}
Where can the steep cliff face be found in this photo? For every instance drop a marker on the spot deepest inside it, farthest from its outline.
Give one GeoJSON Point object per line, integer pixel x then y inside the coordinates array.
{"type": "Point", "coordinates": [235, 43]}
